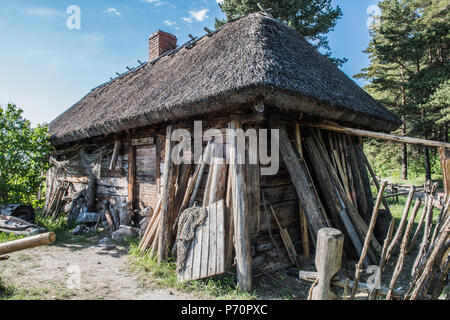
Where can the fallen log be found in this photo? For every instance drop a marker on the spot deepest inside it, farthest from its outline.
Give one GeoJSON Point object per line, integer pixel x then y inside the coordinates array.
{"type": "Point", "coordinates": [338, 282]}
{"type": "Point", "coordinates": [27, 243]}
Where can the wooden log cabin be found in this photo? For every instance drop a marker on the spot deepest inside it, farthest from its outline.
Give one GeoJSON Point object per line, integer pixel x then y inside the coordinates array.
{"type": "Point", "coordinates": [255, 72]}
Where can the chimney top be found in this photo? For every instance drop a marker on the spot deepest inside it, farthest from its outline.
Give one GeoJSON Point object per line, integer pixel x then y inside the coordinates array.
{"type": "Point", "coordinates": [159, 43]}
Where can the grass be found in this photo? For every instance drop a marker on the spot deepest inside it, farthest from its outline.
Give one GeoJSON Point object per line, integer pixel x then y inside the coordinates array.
{"type": "Point", "coordinates": [398, 207]}
{"type": "Point", "coordinates": [164, 275]}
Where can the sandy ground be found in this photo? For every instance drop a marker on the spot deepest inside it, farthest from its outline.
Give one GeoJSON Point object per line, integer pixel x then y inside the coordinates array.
{"type": "Point", "coordinates": [51, 273]}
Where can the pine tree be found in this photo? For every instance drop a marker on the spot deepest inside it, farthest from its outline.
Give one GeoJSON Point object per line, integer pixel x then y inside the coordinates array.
{"type": "Point", "coordinates": [313, 19]}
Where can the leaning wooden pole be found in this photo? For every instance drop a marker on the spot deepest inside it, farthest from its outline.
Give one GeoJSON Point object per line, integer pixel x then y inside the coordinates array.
{"type": "Point", "coordinates": [27, 243]}
{"type": "Point", "coordinates": [164, 223]}
{"type": "Point", "coordinates": [303, 218]}
{"type": "Point", "coordinates": [369, 234]}
{"type": "Point", "coordinates": [240, 211]}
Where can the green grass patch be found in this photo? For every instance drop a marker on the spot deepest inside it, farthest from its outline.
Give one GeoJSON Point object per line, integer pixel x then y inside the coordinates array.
{"type": "Point", "coordinates": [6, 291]}
{"type": "Point", "coordinates": [5, 237]}
{"type": "Point", "coordinates": [164, 275]}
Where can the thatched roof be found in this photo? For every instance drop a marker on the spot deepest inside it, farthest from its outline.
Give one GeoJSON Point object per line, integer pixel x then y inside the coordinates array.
{"type": "Point", "coordinates": [248, 59]}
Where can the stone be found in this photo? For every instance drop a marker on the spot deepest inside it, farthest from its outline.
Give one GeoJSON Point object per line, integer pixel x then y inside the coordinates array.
{"type": "Point", "coordinates": [124, 233]}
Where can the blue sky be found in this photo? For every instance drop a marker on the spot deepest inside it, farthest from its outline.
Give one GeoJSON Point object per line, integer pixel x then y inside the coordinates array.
{"type": "Point", "coordinates": [46, 67]}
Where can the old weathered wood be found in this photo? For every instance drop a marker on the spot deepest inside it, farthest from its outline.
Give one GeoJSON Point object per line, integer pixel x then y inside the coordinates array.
{"type": "Point", "coordinates": [425, 270]}
{"type": "Point", "coordinates": [167, 178]}
{"type": "Point", "coordinates": [158, 166]}
{"type": "Point", "coordinates": [402, 224]}
{"type": "Point", "coordinates": [369, 234]}
{"type": "Point", "coordinates": [333, 200]}
{"type": "Point", "coordinates": [115, 155]}
{"type": "Point", "coordinates": [377, 135]}
{"type": "Point", "coordinates": [330, 244]}
{"type": "Point", "coordinates": [303, 218]}
{"type": "Point", "coordinates": [299, 179]}
{"type": "Point", "coordinates": [375, 181]}
{"type": "Point", "coordinates": [361, 198]}
{"type": "Point", "coordinates": [230, 218]}
{"type": "Point", "coordinates": [374, 293]}
{"type": "Point", "coordinates": [132, 176]}
{"type": "Point", "coordinates": [287, 241]}
{"type": "Point", "coordinates": [444, 154]}
{"type": "Point", "coordinates": [341, 283]}
{"type": "Point", "coordinates": [358, 222]}
{"type": "Point", "coordinates": [240, 211]}
{"type": "Point", "coordinates": [419, 225]}
{"type": "Point", "coordinates": [27, 243]}
{"type": "Point", "coordinates": [203, 163]}
{"type": "Point", "coordinates": [206, 256]}
{"type": "Point", "coordinates": [403, 250]}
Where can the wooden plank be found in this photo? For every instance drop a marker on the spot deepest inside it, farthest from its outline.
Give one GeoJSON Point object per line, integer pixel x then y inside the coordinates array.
{"type": "Point", "coordinates": [220, 251]}
{"type": "Point", "coordinates": [206, 256]}
{"type": "Point", "coordinates": [377, 135]}
{"type": "Point", "coordinates": [207, 253]}
{"type": "Point", "coordinates": [211, 265]}
{"type": "Point", "coordinates": [300, 179]}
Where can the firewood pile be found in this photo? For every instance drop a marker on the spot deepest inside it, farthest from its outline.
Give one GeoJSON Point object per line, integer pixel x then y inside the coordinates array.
{"type": "Point", "coordinates": [428, 275]}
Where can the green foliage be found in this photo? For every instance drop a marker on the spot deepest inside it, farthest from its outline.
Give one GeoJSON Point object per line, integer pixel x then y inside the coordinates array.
{"type": "Point", "coordinates": [311, 18]}
{"type": "Point", "coordinates": [409, 72]}
{"type": "Point", "coordinates": [385, 159]}
{"type": "Point", "coordinates": [165, 275]}
{"type": "Point", "coordinates": [23, 157]}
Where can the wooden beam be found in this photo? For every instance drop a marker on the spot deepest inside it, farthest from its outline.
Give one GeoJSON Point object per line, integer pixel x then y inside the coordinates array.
{"type": "Point", "coordinates": [445, 165]}
{"type": "Point", "coordinates": [241, 218]}
{"type": "Point", "coordinates": [132, 177]}
{"type": "Point", "coordinates": [115, 155]}
{"type": "Point", "coordinates": [377, 135]}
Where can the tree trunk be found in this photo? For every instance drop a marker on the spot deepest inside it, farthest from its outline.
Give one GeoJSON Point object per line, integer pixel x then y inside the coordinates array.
{"type": "Point", "coordinates": [427, 164]}
{"type": "Point", "coordinates": [404, 153]}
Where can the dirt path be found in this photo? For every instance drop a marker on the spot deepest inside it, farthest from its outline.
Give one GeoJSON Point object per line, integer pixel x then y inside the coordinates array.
{"type": "Point", "coordinates": [45, 272]}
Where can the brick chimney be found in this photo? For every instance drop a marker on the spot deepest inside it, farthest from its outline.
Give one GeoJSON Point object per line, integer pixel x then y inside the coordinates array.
{"type": "Point", "coordinates": [159, 43]}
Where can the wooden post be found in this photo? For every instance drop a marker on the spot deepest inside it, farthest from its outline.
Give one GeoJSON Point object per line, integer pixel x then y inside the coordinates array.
{"type": "Point", "coordinates": [445, 165]}
{"type": "Point", "coordinates": [132, 176]}
{"type": "Point", "coordinates": [167, 178]}
{"type": "Point", "coordinates": [330, 244]}
{"type": "Point", "coordinates": [27, 243]}
{"type": "Point", "coordinates": [241, 218]}
{"type": "Point", "coordinates": [303, 219]}
{"type": "Point", "coordinates": [115, 155]}
{"type": "Point", "coordinates": [299, 179]}
{"type": "Point", "coordinates": [158, 166]}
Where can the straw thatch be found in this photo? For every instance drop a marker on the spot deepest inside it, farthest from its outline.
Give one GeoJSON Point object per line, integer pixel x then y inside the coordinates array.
{"type": "Point", "coordinates": [252, 58]}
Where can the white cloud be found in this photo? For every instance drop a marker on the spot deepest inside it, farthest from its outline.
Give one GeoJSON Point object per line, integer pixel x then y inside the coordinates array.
{"type": "Point", "coordinates": [156, 2]}
{"type": "Point", "coordinates": [114, 11]}
{"type": "Point", "coordinates": [170, 23]}
{"type": "Point", "coordinates": [188, 20]}
{"type": "Point", "coordinates": [43, 12]}
{"type": "Point", "coordinates": [220, 1]}
{"type": "Point", "coordinates": [199, 15]}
